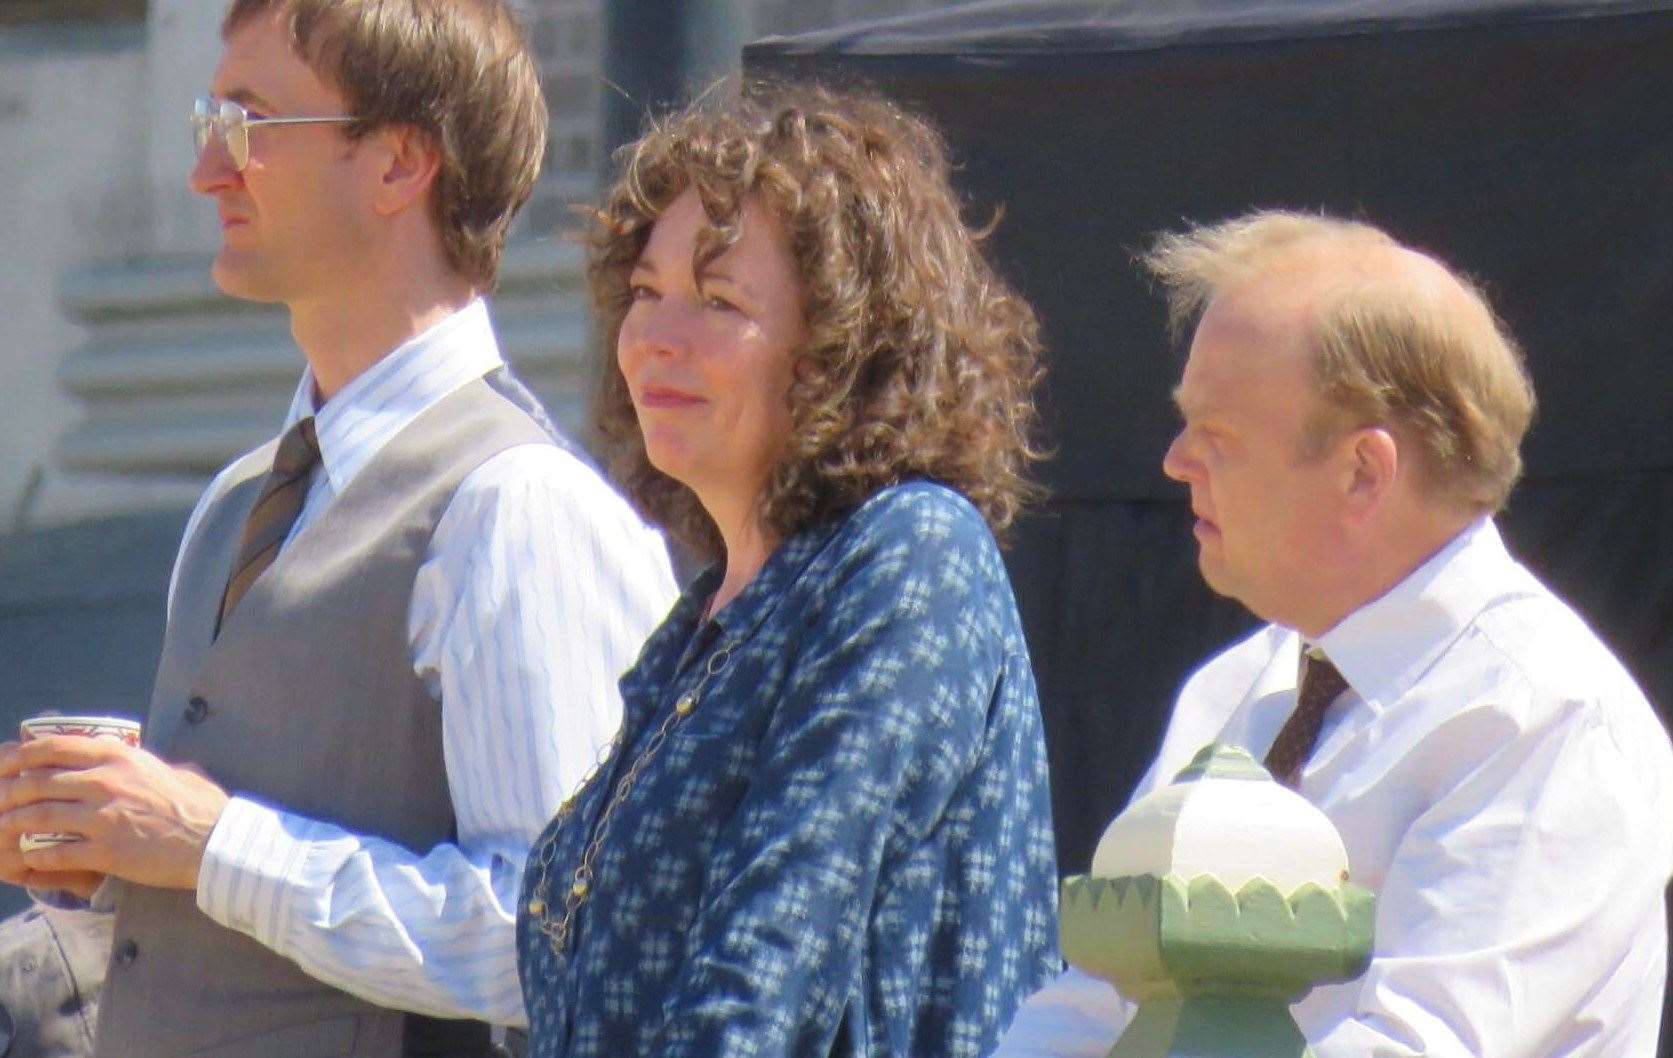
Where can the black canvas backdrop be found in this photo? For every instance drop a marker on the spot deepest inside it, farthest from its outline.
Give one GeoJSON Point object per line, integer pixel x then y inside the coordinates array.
{"type": "Point", "coordinates": [1528, 143]}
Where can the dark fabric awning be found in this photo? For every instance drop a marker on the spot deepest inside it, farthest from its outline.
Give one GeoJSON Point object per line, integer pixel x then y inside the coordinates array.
{"type": "Point", "coordinates": [1089, 27]}
{"type": "Point", "coordinates": [1529, 142]}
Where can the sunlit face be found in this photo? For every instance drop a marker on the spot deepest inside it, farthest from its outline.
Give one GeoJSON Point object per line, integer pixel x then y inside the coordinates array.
{"type": "Point", "coordinates": [1267, 510]}
{"type": "Point", "coordinates": [295, 222]}
{"type": "Point", "coordinates": [708, 356]}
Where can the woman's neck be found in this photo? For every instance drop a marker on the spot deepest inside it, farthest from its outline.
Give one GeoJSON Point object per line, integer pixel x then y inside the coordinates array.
{"type": "Point", "coordinates": [748, 545]}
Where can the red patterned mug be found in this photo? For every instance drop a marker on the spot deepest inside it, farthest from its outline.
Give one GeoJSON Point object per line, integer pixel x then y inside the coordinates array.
{"type": "Point", "coordinates": [113, 727]}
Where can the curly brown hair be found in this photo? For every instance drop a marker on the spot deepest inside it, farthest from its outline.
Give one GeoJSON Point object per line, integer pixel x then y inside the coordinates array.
{"type": "Point", "coordinates": [920, 361]}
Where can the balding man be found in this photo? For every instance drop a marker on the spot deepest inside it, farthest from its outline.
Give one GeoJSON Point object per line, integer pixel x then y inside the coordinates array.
{"type": "Point", "coordinates": [1352, 417]}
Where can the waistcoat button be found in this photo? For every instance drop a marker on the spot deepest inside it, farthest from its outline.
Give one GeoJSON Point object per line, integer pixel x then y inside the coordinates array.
{"type": "Point", "coordinates": [197, 710]}
{"type": "Point", "coordinates": [126, 953]}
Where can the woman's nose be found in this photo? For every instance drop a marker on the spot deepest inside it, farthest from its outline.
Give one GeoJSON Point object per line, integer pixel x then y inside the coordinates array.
{"type": "Point", "coordinates": [663, 326]}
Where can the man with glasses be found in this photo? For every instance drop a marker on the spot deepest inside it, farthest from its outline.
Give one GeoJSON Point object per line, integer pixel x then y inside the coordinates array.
{"type": "Point", "coordinates": [395, 629]}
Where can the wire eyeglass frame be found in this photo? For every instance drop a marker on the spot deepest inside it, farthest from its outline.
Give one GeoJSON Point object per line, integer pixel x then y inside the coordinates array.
{"type": "Point", "coordinates": [230, 123]}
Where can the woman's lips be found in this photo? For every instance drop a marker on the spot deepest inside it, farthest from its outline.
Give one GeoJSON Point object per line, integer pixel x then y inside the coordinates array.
{"type": "Point", "coordinates": [662, 397]}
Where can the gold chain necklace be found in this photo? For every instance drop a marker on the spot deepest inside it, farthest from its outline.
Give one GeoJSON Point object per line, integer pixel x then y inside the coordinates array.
{"type": "Point", "coordinates": [580, 886]}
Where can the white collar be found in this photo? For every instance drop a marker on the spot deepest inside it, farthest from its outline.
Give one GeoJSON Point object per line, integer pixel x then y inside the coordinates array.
{"type": "Point", "coordinates": [1385, 646]}
{"type": "Point", "coordinates": [366, 414]}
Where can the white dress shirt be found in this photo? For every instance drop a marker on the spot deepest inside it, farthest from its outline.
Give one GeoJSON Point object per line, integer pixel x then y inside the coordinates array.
{"type": "Point", "coordinates": [1501, 784]}
{"type": "Point", "coordinates": [538, 590]}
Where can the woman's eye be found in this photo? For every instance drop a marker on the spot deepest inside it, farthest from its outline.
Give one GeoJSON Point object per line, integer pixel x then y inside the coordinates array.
{"type": "Point", "coordinates": [640, 292]}
{"type": "Point", "coordinates": [719, 303]}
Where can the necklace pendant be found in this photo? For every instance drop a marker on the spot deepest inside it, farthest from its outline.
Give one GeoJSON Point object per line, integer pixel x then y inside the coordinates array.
{"type": "Point", "coordinates": [686, 704]}
{"type": "Point", "coordinates": [580, 889]}
{"type": "Point", "coordinates": [537, 907]}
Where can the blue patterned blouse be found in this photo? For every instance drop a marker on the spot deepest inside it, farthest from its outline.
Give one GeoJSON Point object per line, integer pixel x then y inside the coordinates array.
{"type": "Point", "coordinates": [845, 848]}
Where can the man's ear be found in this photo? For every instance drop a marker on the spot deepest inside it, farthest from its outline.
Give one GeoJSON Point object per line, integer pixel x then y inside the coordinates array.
{"type": "Point", "coordinates": [1373, 463]}
{"type": "Point", "coordinates": [412, 161]}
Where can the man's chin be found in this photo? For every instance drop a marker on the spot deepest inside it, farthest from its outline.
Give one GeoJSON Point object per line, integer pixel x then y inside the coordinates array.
{"type": "Point", "coordinates": [1213, 573]}
{"type": "Point", "coordinates": [234, 277]}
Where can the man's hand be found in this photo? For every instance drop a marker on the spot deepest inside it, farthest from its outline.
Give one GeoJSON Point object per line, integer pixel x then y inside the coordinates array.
{"type": "Point", "coordinates": [13, 871]}
{"type": "Point", "coordinates": [140, 817]}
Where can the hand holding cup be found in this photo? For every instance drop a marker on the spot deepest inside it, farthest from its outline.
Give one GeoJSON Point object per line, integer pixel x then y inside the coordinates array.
{"type": "Point", "coordinates": [13, 868]}
{"type": "Point", "coordinates": [128, 813]}
{"type": "Point", "coordinates": [116, 728]}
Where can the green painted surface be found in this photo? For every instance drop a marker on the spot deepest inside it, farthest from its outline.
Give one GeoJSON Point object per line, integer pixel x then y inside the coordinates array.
{"type": "Point", "coordinates": [1222, 760]}
{"type": "Point", "coordinates": [1213, 972]}
{"type": "Point", "coordinates": [1211, 1027]}
{"type": "Point", "coordinates": [1111, 928]}
{"type": "Point", "coordinates": [1258, 942]}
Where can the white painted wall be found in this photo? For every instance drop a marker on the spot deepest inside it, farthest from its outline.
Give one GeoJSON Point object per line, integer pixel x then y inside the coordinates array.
{"type": "Point", "coordinates": [182, 50]}
{"type": "Point", "coordinates": [73, 189]}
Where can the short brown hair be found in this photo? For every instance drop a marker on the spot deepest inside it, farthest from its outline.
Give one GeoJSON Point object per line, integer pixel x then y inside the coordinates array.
{"type": "Point", "coordinates": [920, 360]}
{"type": "Point", "coordinates": [1429, 360]}
{"type": "Point", "coordinates": [459, 71]}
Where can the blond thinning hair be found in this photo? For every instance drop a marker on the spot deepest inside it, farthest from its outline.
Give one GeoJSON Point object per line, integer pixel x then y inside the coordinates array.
{"type": "Point", "coordinates": [1397, 341]}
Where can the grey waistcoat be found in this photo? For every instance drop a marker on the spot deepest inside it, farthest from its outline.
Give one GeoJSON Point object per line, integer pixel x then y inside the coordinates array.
{"type": "Point", "coordinates": [306, 701]}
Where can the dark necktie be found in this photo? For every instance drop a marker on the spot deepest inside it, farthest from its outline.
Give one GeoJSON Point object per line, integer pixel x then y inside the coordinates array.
{"type": "Point", "coordinates": [1320, 684]}
{"type": "Point", "coordinates": [275, 512]}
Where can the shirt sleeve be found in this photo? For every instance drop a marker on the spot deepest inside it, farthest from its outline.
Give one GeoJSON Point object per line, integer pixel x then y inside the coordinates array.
{"type": "Point", "coordinates": [1516, 904]}
{"type": "Point", "coordinates": [896, 700]}
{"type": "Point", "coordinates": [539, 587]}
{"type": "Point", "coordinates": [1075, 1016]}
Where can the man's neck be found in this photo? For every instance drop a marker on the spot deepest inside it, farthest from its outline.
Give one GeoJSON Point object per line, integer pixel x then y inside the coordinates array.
{"type": "Point", "coordinates": [343, 338]}
{"type": "Point", "coordinates": [1382, 566]}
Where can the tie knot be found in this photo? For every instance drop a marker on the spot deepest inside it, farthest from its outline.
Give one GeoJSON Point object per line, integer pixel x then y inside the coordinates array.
{"type": "Point", "coordinates": [298, 450]}
{"type": "Point", "coordinates": [1321, 680]}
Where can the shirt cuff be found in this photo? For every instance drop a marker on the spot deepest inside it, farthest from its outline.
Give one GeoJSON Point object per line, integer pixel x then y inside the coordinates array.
{"type": "Point", "coordinates": [103, 900]}
{"type": "Point", "coordinates": [59, 900]}
{"type": "Point", "coordinates": [251, 865]}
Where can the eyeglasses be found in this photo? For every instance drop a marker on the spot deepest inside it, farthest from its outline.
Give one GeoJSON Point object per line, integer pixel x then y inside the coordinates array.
{"type": "Point", "coordinates": [231, 124]}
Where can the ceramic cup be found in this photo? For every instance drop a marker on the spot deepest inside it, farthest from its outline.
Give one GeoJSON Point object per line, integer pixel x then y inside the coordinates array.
{"type": "Point", "coordinates": [118, 728]}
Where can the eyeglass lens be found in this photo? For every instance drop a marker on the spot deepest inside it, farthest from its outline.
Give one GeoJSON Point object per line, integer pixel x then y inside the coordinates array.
{"type": "Point", "coordinates": [223, 120]}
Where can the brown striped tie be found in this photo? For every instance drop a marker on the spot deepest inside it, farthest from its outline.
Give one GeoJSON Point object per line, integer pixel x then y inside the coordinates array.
{"type": "Point", "coordinates": [1320, 684]}
{"type": "Point", "coordinates": [275, 512]}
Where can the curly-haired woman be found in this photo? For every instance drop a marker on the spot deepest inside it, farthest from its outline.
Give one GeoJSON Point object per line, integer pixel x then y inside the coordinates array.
{"type": "Point", "coordinates": [825, 826]}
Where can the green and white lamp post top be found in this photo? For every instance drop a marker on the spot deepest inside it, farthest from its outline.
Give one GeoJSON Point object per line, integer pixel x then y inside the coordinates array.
{"type": "Point", "coordinates": [1213, 904]}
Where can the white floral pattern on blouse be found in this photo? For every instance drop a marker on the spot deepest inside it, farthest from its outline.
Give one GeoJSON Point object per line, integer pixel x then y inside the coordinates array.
{"type": "Point", "coordinates": [846, 848]}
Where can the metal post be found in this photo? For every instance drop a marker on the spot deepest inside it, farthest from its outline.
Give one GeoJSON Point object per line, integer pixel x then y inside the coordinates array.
{"type": "Point", "coordinates": [644, 63]}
